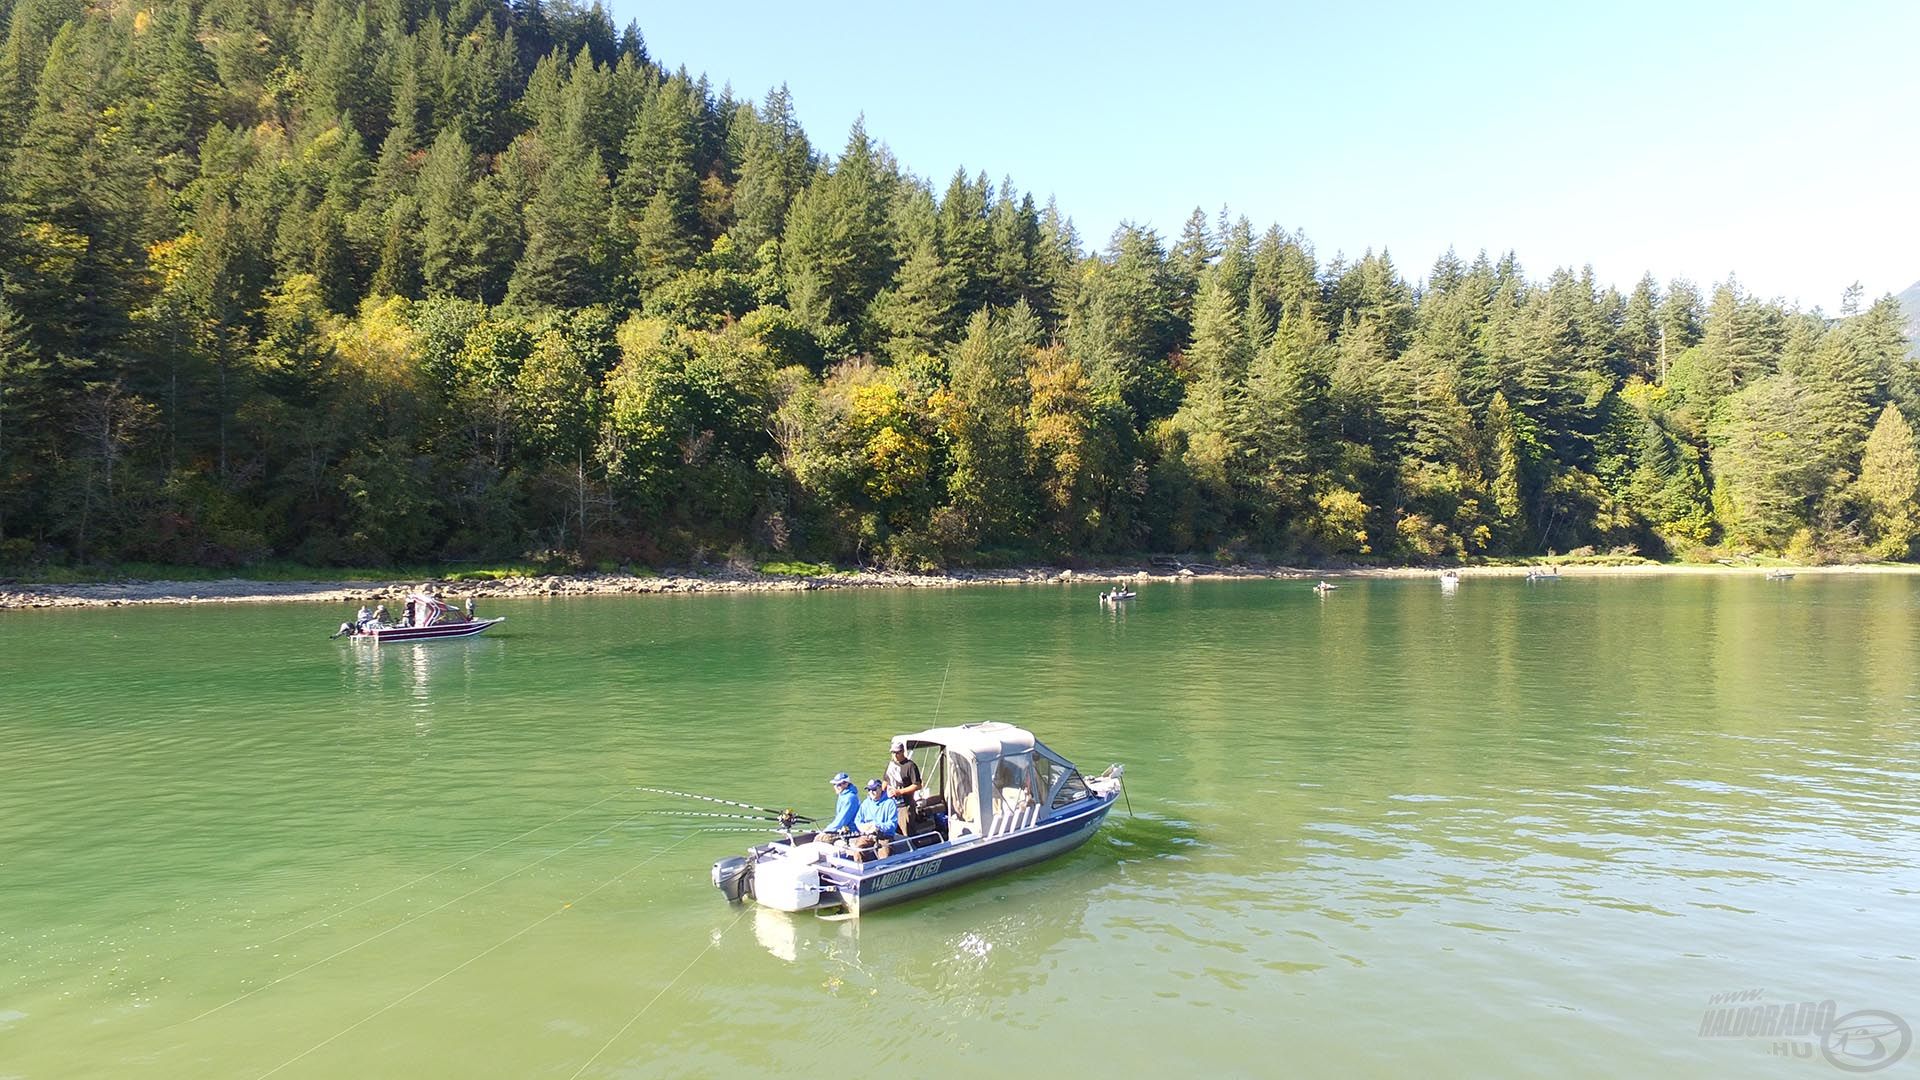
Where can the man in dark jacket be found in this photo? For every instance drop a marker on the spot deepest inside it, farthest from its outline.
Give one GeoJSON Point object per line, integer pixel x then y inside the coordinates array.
{"type": "Point", "coordinates": [904, 784]}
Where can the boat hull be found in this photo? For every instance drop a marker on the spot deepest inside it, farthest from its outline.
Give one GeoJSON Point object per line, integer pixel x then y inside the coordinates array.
{"type": "Point", "coordinates": [892, 881]}
{"type": "Point", "coordinates": [395, 635]}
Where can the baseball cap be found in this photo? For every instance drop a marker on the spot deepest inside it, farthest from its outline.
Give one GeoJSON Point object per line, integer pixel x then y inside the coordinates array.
{"type": "Point", "coordinates": [840, 778]}
{"type": "Point", "coordinates": [874, 784]}
{"type": "Point", "coordinates": [899, 744]}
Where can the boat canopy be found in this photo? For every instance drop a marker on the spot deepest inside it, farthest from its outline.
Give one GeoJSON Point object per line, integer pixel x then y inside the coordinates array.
{"type": "Point", "coordinates": [428, 609]}
{"type": "Point", "coordinates": [995, 777]}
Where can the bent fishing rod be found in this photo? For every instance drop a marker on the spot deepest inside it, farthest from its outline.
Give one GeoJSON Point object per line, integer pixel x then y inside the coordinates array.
{"type": "Point", "coordinates": [705, 814]}
{"type": "Point", "coordinates": [726, 802]}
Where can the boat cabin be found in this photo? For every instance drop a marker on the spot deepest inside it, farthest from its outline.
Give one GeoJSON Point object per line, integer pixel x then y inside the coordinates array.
{"type": "Point", "coordinates": [992, 778]}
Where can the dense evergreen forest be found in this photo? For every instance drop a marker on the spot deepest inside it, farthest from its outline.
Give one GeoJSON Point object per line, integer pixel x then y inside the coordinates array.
{"type": "Point", "coordinates": [353, 283]}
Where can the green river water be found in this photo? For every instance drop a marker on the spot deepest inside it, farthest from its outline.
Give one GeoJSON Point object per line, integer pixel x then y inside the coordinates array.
{"type": "Point", "coordinates": [1509, 830]}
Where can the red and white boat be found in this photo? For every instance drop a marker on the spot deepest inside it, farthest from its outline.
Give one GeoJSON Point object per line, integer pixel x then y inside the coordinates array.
{"type": "Point", "coordinates": [427, 619]}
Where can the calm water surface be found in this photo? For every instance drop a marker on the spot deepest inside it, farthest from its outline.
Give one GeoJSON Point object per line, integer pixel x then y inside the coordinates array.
{"type": "Point", "coordinates": [1507, 831]}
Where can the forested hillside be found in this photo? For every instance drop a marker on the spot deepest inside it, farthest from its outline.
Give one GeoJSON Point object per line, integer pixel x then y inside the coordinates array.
{"type": "Point", "coordinates": [357, 283]}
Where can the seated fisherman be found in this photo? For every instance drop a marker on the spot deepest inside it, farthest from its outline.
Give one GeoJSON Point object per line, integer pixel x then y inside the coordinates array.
{"type": "Point", "coordinates": [878, 820]}
{"type": "Point", "coordinates": [845, 808]}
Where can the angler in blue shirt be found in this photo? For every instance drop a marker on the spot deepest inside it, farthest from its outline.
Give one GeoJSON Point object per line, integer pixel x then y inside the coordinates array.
{"type": "Point", "coordinates": [846, 808]}
{"type": "Point", "coordinates": [879, 815]}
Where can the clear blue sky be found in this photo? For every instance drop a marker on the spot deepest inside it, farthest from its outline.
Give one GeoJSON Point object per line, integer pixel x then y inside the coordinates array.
{"type": "Point", "coordinates": [1773, 141]}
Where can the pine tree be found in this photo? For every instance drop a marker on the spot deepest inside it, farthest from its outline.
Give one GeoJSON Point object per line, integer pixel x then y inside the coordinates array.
{"type": "Point", "coordinates": [1285, 413]}
{"type": "Point", "coordinates": [965, 244]}
{"type": "Point", "coordinates": [915, 316]}
{"type": "Point", "coordinates": [1641, 333]}
{"type": "Point", "coordinates": [1124, 327]}
{"type": "Point", "coordinates": [1217, 357]}
{"type": "Point", "coordinates": [1890, 485]}
{"type": "Point", "coordinates": [773, 169]}
{"type": "Point", "coordinates": [1765, 479]}
{"type": "Point", "coordinates": [183, 98]}
{"type": "Point", "coordinates": [1188, 259]}
{"type": "Point", "coordinates": [1056, 263]}
{"type": "Point", "coordinates": [445, 201]}
{"type": "Point", "coordinates": [984, 418]}
{"type": "Point", "coordinates": [1679, 320]}
{"type": "Point", "coordinates": [22, 377]}
{"type": "Point", "coordinates": [30, 35]}
{"type": "Point", "coordinates": [76, 211]}
{"type": "Point", "coordinates": [1013, 230]}
{"type": "Point", "coordinates": [564, 263]}
{"type": "Point", "coordinates": [837, 251]}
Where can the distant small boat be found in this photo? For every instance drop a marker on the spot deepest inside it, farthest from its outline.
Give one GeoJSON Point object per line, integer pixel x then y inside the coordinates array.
{"type": "Point", "coordinates": [1117, 595]}
{"type": "Point", "coordinates": [1449, 578]}
{"type": "Point", "coordinates": [1779, 575]}
{"type": "Point", "coordinates": [427, 620]}
{"type": "Point", "coordinates": [1549, 574]}
{"type": "Point", "coordinates": [1324, 587]}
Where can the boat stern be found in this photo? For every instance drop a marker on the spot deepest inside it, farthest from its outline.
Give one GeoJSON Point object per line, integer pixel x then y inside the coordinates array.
{"type": "Point", "coordinates": [734, 878]}
{"type": "Point", "coordinates": [782, 877]}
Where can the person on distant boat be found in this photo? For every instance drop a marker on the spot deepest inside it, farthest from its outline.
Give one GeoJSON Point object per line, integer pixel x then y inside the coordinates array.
{"type": "Point", "coordinates": [903, 784]}
{"type": "Point", "coordinates": [361, 618]}
{"type": "Point", "coordinates": [469, 609]}
{"type": "Point", "coordinates": [845, 808]}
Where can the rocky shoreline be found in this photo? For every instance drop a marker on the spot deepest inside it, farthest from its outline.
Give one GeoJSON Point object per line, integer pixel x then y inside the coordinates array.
{"type": "Point", "coordinates": [242, 591]}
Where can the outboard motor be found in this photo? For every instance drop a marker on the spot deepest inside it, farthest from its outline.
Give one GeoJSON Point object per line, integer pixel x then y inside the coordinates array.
{"type": "Point", "coordinates": [733, 877]}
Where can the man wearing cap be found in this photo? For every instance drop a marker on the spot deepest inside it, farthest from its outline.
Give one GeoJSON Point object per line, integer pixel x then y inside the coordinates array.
{"type": "Point", "coordinates": [903, 783]}
{"type": "Point", "coordinates": [878, 819]}
{"type": "Point", "coordinates": [845, 809]}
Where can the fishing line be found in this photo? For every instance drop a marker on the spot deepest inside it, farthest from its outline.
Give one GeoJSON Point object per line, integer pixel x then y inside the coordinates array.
{"type": "Point", "coordinates": [943, 693]}
{"type": "Point", "coordinates": [663, 992]}
{"type": "Point", "coordinates": [482, 954]}
{"type": "Point", "coordinates": [442, 870]}
{"type": "Point", "coordinates": [408, 922]}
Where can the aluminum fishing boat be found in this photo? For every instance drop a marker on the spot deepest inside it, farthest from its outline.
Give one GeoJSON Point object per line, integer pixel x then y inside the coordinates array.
{"type": "Point", "coordinates": [427, 619]}
{"type": "Point", "coordinates": [996, 799]}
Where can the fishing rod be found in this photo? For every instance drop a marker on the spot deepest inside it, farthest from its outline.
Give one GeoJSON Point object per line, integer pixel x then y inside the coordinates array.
{"type": "Point", "coordinates": [728, 828]}
{"type": "Point", "coordinates": [705, 814]}
{"type": "Point", "coordinates": [724, 802]}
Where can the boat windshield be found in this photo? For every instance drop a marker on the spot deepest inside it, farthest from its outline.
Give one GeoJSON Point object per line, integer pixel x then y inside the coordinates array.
{"type": "Point", "coordinates": [1015, 783]}
{"type": "Point", "coordinates": [1060, 784]}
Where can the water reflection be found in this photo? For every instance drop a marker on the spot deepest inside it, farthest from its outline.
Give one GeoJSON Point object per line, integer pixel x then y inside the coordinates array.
{"type": "Point", "coordinates": [969, 948]}
{"type": "Point", "coordinates": [966, 950]}
{"type": "Point", "coordinates": [417, 676]}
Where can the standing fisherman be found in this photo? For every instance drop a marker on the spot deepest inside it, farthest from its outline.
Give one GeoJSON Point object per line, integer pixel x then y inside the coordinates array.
{"type": "Point", "coordinates": [904, 784]}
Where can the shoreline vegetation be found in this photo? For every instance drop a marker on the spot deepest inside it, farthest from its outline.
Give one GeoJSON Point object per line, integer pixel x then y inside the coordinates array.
{"type": "Point", "coordinates": [414, 284]}
{"type": "Point", "coordinates": [119, 593]}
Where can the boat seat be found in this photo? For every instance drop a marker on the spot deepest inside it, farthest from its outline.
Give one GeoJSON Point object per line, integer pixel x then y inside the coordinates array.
{"type": "Point", "coordinates": [1013, 820]}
